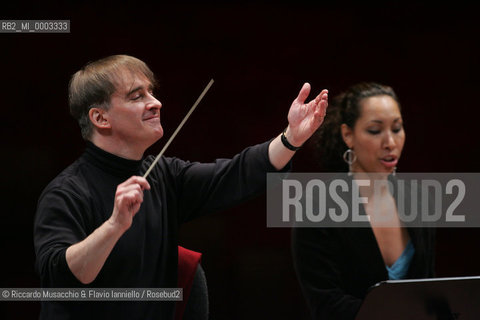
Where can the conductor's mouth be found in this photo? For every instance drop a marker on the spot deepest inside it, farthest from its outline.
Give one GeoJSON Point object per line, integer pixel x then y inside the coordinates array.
{"type": "Point", "coordinates": [152, 117]}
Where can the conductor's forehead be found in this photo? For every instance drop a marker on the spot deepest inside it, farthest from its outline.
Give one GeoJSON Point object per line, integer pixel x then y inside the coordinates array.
{"type": "Point", "coordinates": [125, 79]}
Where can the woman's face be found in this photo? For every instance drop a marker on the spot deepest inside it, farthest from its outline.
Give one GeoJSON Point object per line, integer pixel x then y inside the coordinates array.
{"type": "Point", "coordinates": [377, 137]}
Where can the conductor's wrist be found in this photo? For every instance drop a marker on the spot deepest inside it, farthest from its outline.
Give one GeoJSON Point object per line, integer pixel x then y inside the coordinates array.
{"type": "Point", "coordinates": [115, 227]}
{"type": "Point", "coordinates": [289, 141]}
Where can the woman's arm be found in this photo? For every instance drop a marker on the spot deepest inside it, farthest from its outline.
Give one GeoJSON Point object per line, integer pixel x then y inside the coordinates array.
{"type": "Point", "coordinates": [316, 255]}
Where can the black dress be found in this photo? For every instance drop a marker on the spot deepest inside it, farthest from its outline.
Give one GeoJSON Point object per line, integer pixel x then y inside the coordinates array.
{"type": "Point", "coordinates": [336, 266]}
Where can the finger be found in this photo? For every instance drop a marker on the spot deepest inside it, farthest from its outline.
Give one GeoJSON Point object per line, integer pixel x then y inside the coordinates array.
{"type": "Point", "coordinates": [129, 188]}
{"type": "Point", "coordinates": [132, 208]}
{"type": "Point", "coordinates": [138, 180]}
{"type": "Point", "coordinates": [321, 109]}
{"type": "Point", "coordinates": [143, 183]}
{"type": "Point", "coordinates": [136, 196]}
{"type": "Point", "coordinates": [315, 104]}
{"type": "Point", "coordinates": [132, 198]}
{"type": "Point", "coordinates": [322, 96]}
{"type": "Point", "coordinates": [304, 92]}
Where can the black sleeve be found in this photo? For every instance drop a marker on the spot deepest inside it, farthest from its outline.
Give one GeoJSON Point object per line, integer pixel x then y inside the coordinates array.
{"type": "Point", "coordinates": [208, 187]}
{"type": "Point", "coordinates": [316, 256]}
{"type": "Point", "coordinates": [58, 225]}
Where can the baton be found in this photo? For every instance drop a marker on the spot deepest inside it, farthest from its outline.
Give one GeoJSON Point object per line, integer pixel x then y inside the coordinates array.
{"type": "Point", "coordinates": [178, 129]}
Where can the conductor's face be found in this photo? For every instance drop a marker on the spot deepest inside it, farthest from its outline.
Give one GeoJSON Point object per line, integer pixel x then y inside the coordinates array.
{"type": "Point", "coordinates": [134, 112]}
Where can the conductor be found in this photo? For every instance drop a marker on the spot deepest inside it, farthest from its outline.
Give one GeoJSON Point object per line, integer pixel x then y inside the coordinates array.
{"type": "Point", "coordinates": [99, 224]}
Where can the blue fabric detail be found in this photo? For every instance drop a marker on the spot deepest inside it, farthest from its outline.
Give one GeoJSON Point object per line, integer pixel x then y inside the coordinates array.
{"type": "Point", "coordinates": [399, 269]}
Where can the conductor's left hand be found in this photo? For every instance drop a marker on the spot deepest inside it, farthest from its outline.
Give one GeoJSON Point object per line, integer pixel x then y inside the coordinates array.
{"type": "Point", "coordinates": [305, 118]}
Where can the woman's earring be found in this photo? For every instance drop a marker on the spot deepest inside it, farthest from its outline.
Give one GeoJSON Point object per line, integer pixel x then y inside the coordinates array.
{"type": "Point", "coordinates": [349, 157]}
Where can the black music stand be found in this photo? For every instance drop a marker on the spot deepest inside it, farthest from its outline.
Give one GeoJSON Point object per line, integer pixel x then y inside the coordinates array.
{"type": "Point", "coordinates": [423, 299]}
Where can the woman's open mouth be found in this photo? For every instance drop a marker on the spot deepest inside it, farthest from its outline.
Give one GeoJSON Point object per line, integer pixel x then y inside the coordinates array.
{"type": "Point", "coordinates": [389, 161]}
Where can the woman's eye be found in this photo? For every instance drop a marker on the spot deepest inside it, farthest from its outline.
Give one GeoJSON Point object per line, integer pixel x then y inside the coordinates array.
{"type": "Point", "coordinates": [371, 131]}
{"type": "Point", "coordinates": [397, 129]}
{"type": "Point", "coordinates": [137, 97]}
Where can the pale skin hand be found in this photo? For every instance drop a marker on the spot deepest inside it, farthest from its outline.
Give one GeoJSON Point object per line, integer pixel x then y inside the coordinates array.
{"type": "Point", "coordinates": [303, 120]}
{"type": "Point", "coordinates": [86, 258]}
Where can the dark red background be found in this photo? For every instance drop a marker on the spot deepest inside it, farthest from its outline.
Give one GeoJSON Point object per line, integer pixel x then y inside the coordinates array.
{"type": "Point", "coordinates": [259, 56]}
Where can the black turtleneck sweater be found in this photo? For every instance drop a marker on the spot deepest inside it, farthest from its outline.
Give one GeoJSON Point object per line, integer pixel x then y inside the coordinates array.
{"type": "Point", "coordinates": [81, 198]}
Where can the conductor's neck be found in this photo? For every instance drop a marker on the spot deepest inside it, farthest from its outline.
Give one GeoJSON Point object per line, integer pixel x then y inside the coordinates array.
{"type": "Point", "coordinates": [122, 148]}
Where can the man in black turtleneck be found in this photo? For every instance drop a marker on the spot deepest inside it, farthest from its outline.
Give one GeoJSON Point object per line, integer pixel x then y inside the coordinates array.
{"type": "Point", "coordinates": [100, 224]}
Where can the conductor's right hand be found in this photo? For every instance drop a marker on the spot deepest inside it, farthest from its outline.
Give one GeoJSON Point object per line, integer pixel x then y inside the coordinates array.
{"type": "Point", "coordinates": [128, 198]}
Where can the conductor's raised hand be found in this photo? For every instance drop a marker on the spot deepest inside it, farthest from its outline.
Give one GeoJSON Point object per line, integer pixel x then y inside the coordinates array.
{"type": "Point", "coordinates": [305, 118]}
{"type": "Point", "coordinates": [128, 198]}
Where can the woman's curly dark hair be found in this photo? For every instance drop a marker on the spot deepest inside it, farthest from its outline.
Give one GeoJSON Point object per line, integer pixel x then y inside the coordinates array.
{"type": "Point", "coordinates": [344, 108]}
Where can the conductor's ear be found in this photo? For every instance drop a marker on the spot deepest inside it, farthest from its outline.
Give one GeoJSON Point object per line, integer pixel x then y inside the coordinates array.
{"type": "Point", "coordinates": [99, 118]}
